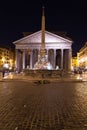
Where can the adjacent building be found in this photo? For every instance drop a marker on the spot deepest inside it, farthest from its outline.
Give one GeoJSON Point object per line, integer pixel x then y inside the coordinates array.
{"type": "Point", "coordinates": [82, 57]}
{"type": "Point", "coordinates": [7, 59]}
{"type": "Point", "coordinates": [75, 63]}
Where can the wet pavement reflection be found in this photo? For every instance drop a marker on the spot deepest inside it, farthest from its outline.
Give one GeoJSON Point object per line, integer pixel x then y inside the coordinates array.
{"type": "Point", "coordinates": [53, 106]}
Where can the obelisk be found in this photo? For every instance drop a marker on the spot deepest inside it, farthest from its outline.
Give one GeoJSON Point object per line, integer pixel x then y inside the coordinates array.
{"type": "Point", "coordinates": [43, 50]}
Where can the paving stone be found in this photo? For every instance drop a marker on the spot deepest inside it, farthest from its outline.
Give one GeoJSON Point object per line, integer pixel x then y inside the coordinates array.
{"type": "Point", "coordinates": [54, 106]}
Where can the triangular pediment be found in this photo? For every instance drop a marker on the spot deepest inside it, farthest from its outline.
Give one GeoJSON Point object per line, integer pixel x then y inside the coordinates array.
{"type": "Point", "coordinates": [36, 38]}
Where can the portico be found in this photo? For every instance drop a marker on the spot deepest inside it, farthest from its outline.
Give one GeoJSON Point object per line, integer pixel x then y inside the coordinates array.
{"type": "Point", "coordinates": [59, 50]}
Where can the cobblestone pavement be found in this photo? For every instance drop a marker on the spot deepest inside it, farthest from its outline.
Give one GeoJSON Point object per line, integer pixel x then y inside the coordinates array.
{"type": "Point", "coordinates": [52, 106]}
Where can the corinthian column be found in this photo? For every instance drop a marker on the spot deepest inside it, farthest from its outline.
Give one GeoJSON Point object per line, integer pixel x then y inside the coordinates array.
{"type": "Point", "coordinates": [69, 59]}
{"type": "Point", "coordinates": [17, 59]}
{"type": "Point", "coordinates": [61, 58]}
{"type": "Point", "coordinates": [31, 59]}
{"type": "Point", "coordinates": [23, 59]}
{"type": "Point", "coordinates": [54, 59]}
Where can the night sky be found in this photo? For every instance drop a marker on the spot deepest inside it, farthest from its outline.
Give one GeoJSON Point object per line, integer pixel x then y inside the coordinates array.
{"type": "Point", "coordinates": [18, 16]}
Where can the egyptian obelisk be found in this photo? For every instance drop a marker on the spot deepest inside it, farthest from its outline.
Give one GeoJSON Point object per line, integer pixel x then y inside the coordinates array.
{"type": "Point", "coordinates": [43, 50]}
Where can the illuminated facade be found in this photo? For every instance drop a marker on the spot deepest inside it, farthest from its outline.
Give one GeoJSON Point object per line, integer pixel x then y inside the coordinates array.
{"type": "Point", "coordinates": [75, 63]}
{"type": "Point", "coordinates": [58, 48]}
{"type": "Point", "coordinates": [42, 48]}
{"type": "Point", "coordinates": [6, 59]}
{"type": "Point", "coordinates": [82, 57]}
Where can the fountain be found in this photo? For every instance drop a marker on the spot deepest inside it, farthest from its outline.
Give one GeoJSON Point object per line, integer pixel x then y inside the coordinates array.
{"type": "Point", "coordinates": [43, 69]}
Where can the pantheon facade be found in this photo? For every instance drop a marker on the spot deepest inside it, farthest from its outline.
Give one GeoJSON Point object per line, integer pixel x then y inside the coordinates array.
{"type": "Point", "coordinates": [58, 48]}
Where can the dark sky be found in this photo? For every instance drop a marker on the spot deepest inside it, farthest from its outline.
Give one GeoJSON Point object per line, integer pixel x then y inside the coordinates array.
{"type": "Point", "coordinates": [61, 15]}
